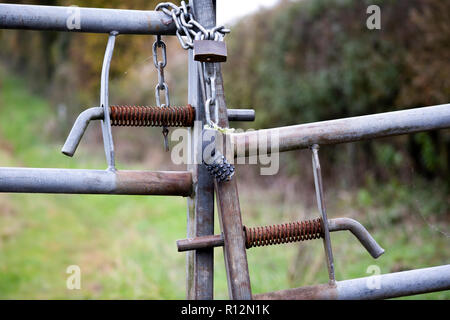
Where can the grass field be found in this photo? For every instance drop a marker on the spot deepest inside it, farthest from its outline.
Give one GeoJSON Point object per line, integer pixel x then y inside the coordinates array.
{"type": "Point", "coordinates": [125, 245]}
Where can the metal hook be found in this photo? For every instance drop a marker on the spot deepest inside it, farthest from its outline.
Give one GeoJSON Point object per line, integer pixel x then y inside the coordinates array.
{"type": "Point", "coordinates": [78, 129]}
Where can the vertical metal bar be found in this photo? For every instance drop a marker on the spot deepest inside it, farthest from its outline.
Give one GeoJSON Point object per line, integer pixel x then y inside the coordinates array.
{"type": "Point", "coordinates": [230, 215]}
{"type": "Point", "coordinates": [200, 263]}
{"type": "Point", "coordinates": [104, 102]}
{"type": "Point", "coordinates": [323, 211]}
{"type": "Point", "coordinates": [230, 220]}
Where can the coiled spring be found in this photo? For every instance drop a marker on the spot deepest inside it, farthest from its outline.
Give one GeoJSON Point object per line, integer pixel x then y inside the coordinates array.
{"type": "Point", "coordinates": [283, 233]}
{"type": "Point", "coordinates": [135, 116]}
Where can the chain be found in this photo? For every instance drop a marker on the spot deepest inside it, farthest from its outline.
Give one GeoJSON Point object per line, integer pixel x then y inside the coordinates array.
{"type": "Point", "coordinates": [188, 27]}
{"type": "Point", "coordinates": [161, 85]}
{"type": "Point", "coordinates": [188, 30]}
{"type": "Point", "coordinates": [209, 77]}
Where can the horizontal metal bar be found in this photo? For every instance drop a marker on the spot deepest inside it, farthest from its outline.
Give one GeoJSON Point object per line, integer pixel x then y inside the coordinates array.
{"type": "Point", "coordinates": [241, 114]}
{"type": "Point", "coordinates": [77, 19]}
{"type": "Point", "coordinates": [339, 224]}
{"type": "Point", "coordinates": [97, 113]}
{"type": "Point", "coordinates": [200, 243]}
{"type": "Point", "coordinates": [385, 286]}
{"type": "Point", "coordinates": [344, 130]}
{"type": "Point", "coordinates": [75, 181]}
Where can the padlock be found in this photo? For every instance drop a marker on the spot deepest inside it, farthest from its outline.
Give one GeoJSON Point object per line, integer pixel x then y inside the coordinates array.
{"type": "Point", "coordinates": [210, 51]}
{"type": "Point", "coordinates": [219, 167]}
{"type": "Point", "coordinates": [214, 160]}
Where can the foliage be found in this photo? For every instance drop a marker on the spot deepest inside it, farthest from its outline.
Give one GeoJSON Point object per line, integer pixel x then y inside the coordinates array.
{"type": "Point", "coordinates": [71, 63]}
{"type": "Point", "coordinates": [316, 60]}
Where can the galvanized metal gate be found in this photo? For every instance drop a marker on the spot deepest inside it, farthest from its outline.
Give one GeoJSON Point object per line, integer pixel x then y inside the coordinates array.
{"type": "Point", "coordinates": [198, 185]}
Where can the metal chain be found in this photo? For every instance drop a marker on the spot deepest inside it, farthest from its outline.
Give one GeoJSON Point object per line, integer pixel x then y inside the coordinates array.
{"type": "Point", "coordinates": [210, 85]}
{"type": "Point", "coordinates": [188, 27]}
{"type": "Point", "coordinates": [188, 30]}
{"type": "Point", "coordinates": [161, 85]}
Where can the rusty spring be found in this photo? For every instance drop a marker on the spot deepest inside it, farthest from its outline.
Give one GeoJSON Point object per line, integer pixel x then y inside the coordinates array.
{"type": "Point", "coordinates": [136, 116]}
{"type": "Point", "coordinates": [283, 233]}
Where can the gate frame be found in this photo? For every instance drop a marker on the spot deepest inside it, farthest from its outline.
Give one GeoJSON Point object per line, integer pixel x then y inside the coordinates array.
{"type": "Point", "coordinates": [196, 183]}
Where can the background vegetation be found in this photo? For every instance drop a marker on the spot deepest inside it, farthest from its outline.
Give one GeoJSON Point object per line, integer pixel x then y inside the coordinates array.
{"type": "Point", "coordinates": [298, 62]}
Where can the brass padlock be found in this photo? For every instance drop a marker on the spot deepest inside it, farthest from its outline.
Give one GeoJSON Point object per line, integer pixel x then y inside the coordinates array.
{"type": "Point", "coordinates": [210, 51]}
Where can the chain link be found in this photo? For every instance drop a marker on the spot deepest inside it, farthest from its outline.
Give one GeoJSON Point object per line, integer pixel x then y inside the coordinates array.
{"type": "Point", "coordinates": [210, 91]}
{"type": "Point", "coordinates": [161, 85]}
{"type": "Point", "coordinates": [160, 65]}
{"type": "Point", "coordinates": [187, 26]}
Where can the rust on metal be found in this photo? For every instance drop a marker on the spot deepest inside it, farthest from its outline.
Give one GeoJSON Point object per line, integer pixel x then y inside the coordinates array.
{"type": "Point", "coordinates": [319, 292]}
{"type": "Point", "coordinates": [283, 233]}
{"type": "Point", "coordinates": [261, 236]}
{"type": "Point", "coordinates": [289, 232]}
{"type": "Point", "coordinates": [235, 254]}
{"type": "Point", "coordinates": [137, 116]}
{"type": "Point", "coordinates": [345, 130]}
{"type": "Point", "coordinates": [392, 285]}
{"type": "Point", "coordinates": [167, 183]}
{"type": "Point", "coordinates": [209, 241]}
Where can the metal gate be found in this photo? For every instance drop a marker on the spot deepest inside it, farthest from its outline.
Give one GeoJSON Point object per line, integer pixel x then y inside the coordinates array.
{"type": "Point", "coordinates": [196, 183]}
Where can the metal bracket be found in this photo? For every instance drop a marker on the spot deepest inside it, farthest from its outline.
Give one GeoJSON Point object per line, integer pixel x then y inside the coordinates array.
{"type": "Point", "coordinates": [104, 103]}
{"type": "Point", "coordinates": [321, 204]}
{"type": "Point", "coordinates": [101, 113]}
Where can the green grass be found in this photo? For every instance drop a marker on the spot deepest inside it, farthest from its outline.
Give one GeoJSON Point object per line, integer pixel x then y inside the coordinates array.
{"type": "Point", "coordinates": [125, 245]}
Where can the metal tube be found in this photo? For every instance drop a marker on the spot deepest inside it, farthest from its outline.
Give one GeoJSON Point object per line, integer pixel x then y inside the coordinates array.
{"type": "Point", "coordinates": [204, 242]}
{"type": "Point", "coordinates": [94, 20]}
{"type": "Point", "coordinates": [96, 113]}
{"type": "Point", "coordinates": [385, 286]}
{"type": "Point", "coordinates": [346, 130]}
{"type": "Point", "coordinates": [359, 232]}
{"type": "Point", "coordinates": [241, 114]}
{"type": "Point", "coordinates": [78, 129]}
{"type": "Point", "coordinates": [77, 181]}
{"type": "Point", "coordinates": [339, 224]}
